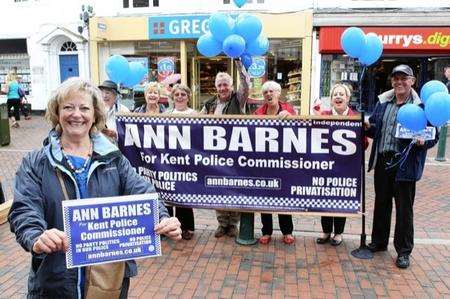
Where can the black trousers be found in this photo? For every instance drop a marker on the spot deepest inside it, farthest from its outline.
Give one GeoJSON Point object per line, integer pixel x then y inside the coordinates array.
{"type": "Point", "coordinates": [403, 192]}
{"type": "Point", "coordinates": [285, 222]}
{"type": "Point", "coordinates": [15, 105]}
{"type": "Point", "coordinates": [327, 224]}
{"type": "Point", "coordinates": [2, 195]}
{"type": "Point", "coordinates": [185, 216]}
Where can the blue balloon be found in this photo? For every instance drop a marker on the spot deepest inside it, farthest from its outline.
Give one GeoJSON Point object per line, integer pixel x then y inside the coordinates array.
{"type": "Point", "coordinates": [117, 68]}
{"type": "Point", "coordinates": [372, 49]}
{"type": "Point", "coordinates": [258, 47]}
{"type": "Point", "coordinates": [240, 3]}
{"type": "Point", "coordinates": [137, 73]}
{"type": "Point", "coordinates": [248, 26]}
{"type": "Point", "coordinates": [234, 46]}
{"type": "Point", "coordinates": [353, 41]}
{"type": "Point", "coordinates": [247, 60]}
{"type": "Point", "coordinates": [430, 88]}
{"type": "Point", "coordinates": [221, 26]}
{"type": "Point", "coordinates": [208, 46]}
{"type": "Point", "coordinates": [412, 117]}
{"type": "Point", "coordinates": [437, 108]}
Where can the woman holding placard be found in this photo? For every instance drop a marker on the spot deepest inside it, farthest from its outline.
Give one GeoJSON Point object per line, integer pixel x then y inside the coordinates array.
{"type": "Point", "coordinates": [77, 161]}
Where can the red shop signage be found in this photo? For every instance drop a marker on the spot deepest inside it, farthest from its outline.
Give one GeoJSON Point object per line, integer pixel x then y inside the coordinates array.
{"type": "Point", "coordinates": [426, 40]}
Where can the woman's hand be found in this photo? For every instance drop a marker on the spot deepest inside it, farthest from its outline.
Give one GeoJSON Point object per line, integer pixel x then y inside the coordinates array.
{"type": "Point", "coordinates": [170, 227]}
{"type": "Point", "coordinates": [50, 241]}
{"type": "Point", "coordinates": [283, 114]}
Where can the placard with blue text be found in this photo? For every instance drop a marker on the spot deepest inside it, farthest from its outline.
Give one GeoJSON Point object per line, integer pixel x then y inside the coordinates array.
{"type": "Point", "coordinates": [248, 163]}
{"type": "Point", "coordinates": [110, 229]}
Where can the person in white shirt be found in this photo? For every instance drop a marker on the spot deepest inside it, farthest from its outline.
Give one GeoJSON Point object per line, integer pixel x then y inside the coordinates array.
{"type": "Point", "coordinates": [181, 94]}
{"type": "Point", "coordinates": [110, 96]}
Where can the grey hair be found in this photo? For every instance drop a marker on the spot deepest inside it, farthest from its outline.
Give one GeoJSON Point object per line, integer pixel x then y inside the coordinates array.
{"type": "Point", "coordinates": [271, 85]}
{"type": "Point", "coordinates": [221, 76]}
{"type": "Point", "coordinates": [182, 87]}
{"type": "Point", "coordinates": [348, 93]}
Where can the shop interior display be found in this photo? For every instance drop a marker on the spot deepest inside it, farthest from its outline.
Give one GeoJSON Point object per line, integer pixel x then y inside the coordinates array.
{"type": "Point", "coordinates": [294, 86]}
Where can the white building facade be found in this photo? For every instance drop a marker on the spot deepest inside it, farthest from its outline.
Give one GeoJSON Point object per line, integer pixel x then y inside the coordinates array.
{"type": "Point", "coordinates": [46, 46]}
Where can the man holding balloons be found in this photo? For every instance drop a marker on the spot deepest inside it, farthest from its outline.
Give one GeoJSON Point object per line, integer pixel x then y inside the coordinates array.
{"type": "Point", "coordinates": [398, 164]}
{"type": "Point", "coordinates": [227, 101]}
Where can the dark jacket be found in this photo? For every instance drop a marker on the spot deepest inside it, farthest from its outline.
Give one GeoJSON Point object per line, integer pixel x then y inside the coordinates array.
{"type": "Point", "coordinates": [37, 207]}
{"type": "Point", "coordinates": [232, 107]}
{"type": "Point", "coordinates": [412, 168]}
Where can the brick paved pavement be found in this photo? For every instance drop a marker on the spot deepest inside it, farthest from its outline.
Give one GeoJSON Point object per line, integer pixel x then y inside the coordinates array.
{"type": "Point", "coordinates": [208, 267]}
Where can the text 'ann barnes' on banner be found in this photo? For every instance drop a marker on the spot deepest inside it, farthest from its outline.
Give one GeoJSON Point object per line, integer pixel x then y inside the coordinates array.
{"type": "Point", "coordinates": [248, 163]}
{"type": "Point", "coordinates": [110, 229]}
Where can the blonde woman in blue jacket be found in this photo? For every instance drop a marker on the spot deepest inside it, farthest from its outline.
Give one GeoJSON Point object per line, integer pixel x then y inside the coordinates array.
{"type": "Point", "coordinates": [91, 166]}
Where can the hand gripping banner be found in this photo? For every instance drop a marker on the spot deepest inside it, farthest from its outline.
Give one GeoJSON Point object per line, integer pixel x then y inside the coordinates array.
{"type": "Point", "coordinates": [248, 163]}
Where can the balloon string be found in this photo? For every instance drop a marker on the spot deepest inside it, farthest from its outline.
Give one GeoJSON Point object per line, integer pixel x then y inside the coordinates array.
{"type": "Point", "coordinates": [360, 87]}
{"type": "Point", "coordinates": [403, 156]}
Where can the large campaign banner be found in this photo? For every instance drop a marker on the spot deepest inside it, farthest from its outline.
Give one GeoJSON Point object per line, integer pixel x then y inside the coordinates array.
{"type": "Point", "coordinates": [248, 163]}
{"type": "Point", "coordinates": [110, 229]}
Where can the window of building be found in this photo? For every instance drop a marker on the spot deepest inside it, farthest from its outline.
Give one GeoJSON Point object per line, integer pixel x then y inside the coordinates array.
{"type": "Point", "coordinates": [226, 1]}
{"type": "Point", "coordinates": [140, 3]}
{"type": "Point", "coordinates": [69, 47]}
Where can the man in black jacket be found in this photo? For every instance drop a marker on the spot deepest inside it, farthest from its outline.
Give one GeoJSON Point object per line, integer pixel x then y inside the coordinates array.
{"type": "Point", "coordinates": [391, 179]}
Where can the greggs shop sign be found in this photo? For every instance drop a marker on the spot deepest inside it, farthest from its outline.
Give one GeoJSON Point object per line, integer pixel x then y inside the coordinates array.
{"type": "Point", "coordinates": [395, 39]}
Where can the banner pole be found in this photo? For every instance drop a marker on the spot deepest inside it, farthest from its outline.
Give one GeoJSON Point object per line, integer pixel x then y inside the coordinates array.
{"type": "Point", "coordinates": [246, 229]}
{"type": "Point", "coordinates": [363, 251]}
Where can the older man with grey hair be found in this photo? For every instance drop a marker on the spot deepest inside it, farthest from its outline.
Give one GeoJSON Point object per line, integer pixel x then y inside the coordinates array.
{"type": "Point", "coordinates": [229, 102]}
{"type": "Point", "coordinates": [397, 169]}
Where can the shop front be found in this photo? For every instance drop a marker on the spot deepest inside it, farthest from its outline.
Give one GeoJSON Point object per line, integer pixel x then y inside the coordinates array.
{"type": "Point", "coordinates": [14, 59]}
{"type": "Point", "coordinates": [425, 49]}
{"type": "Point", "coordinates": [168, 45]}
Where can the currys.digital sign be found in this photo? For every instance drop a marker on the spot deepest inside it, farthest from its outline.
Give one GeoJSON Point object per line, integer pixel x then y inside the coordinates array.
{"type": "Point", "coordinates": [177, 27]}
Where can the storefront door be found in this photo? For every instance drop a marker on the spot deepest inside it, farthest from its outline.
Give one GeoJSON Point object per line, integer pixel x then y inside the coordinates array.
{"type": "Point", "coordinates": [203, 73]}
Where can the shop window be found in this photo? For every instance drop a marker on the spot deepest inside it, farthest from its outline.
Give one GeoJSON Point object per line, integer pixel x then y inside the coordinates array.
{"type": "Point", "coordinates": [126, 3]}
{"type": "Point", "coordinates": [155, 3]}
{"type": "Point", "coordinates": [18, 64]}
{"type": "Point", "coordinates": [69, 47]}
{"type": "Point", "coordinates": [339, 69]}
{"type": "Point", "coordinates": [284, 62]}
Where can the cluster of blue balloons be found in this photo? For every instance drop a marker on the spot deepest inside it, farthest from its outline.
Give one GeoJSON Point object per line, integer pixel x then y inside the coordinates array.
{"type": "Point", "coordinates": [124, 73]}
{"type": "Point", "coordinates": [367, 48]}
{"type": "Point", "coordinates": [435, 96]}
{"type": "Point", "coordinates": [236, 38]}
